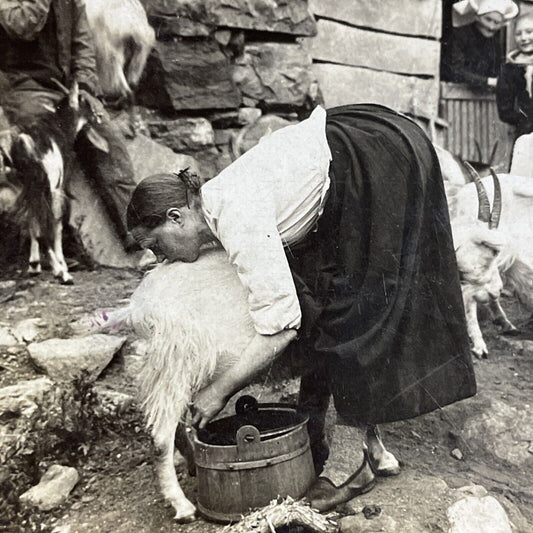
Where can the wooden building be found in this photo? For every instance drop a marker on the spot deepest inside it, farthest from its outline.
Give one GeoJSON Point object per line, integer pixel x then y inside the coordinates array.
{"type": "Point", "coordinates": [389, 52]}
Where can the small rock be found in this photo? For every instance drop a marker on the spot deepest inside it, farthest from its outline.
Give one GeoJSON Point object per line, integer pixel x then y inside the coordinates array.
{"type": "Point", "coordinates": [27, 330]}
{"type": "Point", "coordinates": [7, 290]}
{"type": "Point", "coordinates": [223, 37]}
{"type": "Point", "coordinates": [6, 338]}
{"type": "Point", "coordinates": [70, 359]}
{"type": "Point", "coordinates": [24, 398]}
{"type": "Point", "coordinates": [62, 529]}
{"type": "Point", "coordinates": [371, 511]}
{"type": "Point", "coordinates": [473, 490]}
{"type": "Point", "coordinates": [482, 515]}
{"type": "Point", "coordinates": [53, 489]}
{"type": "Point", "coordinates": [112, 402]}
{"type": "Point", "coordinates": [456, 453]}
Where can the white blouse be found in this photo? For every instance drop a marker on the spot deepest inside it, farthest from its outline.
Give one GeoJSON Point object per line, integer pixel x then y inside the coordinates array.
{"type": "Point", "coordinates": [267, 199]}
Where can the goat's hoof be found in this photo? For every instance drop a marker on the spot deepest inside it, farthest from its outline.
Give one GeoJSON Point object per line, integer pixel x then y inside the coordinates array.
{"type": "Point", "coordinates": [479, 349]}
{"type": "Point", "coordinates": [386, 466]}
{"type": "Point", "coordinates": [511, 332]}
{"type": "Point", "coordinates": [187, 518]}
{"type": "Point", "coordinates": [67, 281]}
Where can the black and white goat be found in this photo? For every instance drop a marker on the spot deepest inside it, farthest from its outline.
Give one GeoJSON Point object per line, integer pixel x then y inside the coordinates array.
{"type": "Point", "coordinates": [123, 40]}
{"type": "Point", "coordinates": [40, 156]}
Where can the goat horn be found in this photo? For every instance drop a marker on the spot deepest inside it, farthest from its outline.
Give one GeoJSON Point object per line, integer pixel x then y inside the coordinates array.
{"type": "Point", "coordinates": [61, 86]}
{"type": "Point", "coordinates": [493, 153]}
{"type": "Point", "coordinates": [74, 96]}
{"type": "Point", "coordinates": [497, 203]}
{"type": "Point", "coordinates": [483, 213]}
{"type": "Point", "coordinates": [478, 150]}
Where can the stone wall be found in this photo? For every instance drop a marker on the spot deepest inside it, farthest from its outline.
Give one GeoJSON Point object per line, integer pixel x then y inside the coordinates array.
{"type": "Point", "coordinates": [219, 65]}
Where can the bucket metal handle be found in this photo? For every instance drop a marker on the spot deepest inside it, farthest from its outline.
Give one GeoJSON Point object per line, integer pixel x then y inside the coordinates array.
{"type": "Point", "coordinates": [248, 437]}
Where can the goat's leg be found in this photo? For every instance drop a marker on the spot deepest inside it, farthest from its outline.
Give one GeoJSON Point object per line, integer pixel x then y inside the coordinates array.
{"type": "Point", "coordinates": [185, 449]}
{"type": "Point", "coordinates": [479, 348]}
{"type": "Point", "coordinates": [120, 83]}
{"type": "Point", "coordinates": [383, 462]}
{"type": "Point", "coordinates": [57, 259]}
{"type": "Point", "coordinates": [166, 474]}
{"type": "Point", "coordinates": [135, 66]}
{"type": "Point", "coordinates": [34, 267]}
{"type": "Point", "coordinates": [500, 318]}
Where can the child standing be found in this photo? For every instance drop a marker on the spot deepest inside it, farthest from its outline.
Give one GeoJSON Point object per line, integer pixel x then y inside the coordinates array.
{"type": "Point", "coordinates": [514, 94]}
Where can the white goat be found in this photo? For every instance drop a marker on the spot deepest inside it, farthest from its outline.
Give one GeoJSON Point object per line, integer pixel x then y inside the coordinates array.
{"type": "Point", "coordinates": [484, 252]}
{"type": "Point", "coordinates": [123, 40]}
{"type": "Point", "coordinates": [195, 317]}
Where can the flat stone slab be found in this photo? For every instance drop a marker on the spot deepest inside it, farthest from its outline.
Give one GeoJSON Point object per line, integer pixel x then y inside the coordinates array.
{"type": "Point", "coordinates": [276, 73]}
{"type": "Point", "coordinates": [504, 431]}
{"type": "Point", "coordinates": [201, 79]}
{"type": "Point", "coordinates": [81, 357]}
{"type": "Point", "coordinates": [197, 17]}
{"type": "Point", "coordinates": [53, 489]}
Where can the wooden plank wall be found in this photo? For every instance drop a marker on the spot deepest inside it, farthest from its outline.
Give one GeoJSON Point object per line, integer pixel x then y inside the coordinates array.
{"type": "Point", "coordinates": [474, 129]}
{"type": "Point", "coordinates": [381, 51]}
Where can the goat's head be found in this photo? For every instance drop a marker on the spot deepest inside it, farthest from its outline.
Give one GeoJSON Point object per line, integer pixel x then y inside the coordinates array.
{"type": "Point", "coordinates": [85, 112]}
{"type": "Point", "coordinates": [477, 249]}
{"type": "Point", "coordinates": [478, 246]}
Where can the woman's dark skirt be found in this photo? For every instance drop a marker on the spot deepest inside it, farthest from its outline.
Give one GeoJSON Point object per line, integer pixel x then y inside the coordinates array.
{"type": "Point", "coordinates": [378, 281]}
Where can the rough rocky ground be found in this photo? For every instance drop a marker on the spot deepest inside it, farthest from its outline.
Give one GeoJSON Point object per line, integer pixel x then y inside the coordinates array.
{"type": "Point", "coordinates": [117, 491]}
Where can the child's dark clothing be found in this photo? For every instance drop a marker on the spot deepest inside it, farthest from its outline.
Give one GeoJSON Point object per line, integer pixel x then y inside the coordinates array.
{"type": "Point", "coordinates": [515, 104]}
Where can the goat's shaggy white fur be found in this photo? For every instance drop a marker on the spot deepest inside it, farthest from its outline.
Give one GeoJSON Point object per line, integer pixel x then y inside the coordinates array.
{"type": "Point", "coordinates": [196, 320]}
{"type": "Point", "coordinates": [123, 40]}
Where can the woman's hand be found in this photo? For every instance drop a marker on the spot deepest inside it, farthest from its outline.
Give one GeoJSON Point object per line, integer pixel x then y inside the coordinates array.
{"type": "Point", "coordinates": [260, 352]}
{"type": "Point", "coordinates": [207, 404]}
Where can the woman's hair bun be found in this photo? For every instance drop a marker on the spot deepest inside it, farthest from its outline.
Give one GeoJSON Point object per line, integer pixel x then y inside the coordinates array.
{"type": "Point", "coordinates": [191, 180]}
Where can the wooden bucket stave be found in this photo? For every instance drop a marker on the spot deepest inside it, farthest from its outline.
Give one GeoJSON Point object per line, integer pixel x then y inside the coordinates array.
{"type": "Point", "coordinates": [233, 479]}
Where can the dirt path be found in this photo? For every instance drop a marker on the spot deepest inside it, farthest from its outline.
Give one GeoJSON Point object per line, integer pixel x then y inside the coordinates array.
{"type": "Point", "coordinates": [117, 490]}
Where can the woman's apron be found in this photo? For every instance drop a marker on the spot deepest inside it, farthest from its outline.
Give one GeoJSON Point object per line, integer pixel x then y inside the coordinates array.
{"type": "Point", "coordinates": [378, 281]}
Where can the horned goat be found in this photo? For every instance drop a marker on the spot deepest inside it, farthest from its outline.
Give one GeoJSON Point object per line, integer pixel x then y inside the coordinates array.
{"type": "Point", "coordinates": [196, 320]}
{"type": "Point", "coordinates": [40, 154]}
{"type": "Point", "coordinates": [123, 40]}
{"type": "Point", "coordinates": [491, 244]}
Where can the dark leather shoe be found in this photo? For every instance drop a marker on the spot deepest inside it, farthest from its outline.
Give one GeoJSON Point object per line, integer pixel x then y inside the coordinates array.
{"type": "Point", "coordinates": [324, 495]}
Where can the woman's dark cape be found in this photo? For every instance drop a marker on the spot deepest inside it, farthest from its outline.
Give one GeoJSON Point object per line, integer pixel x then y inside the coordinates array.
{"type": "Point", "coordinates": [378, 281]}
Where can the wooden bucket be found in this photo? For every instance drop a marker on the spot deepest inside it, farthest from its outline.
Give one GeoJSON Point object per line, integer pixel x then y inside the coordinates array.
{"type": "Point", "coordinates": [257, 464]}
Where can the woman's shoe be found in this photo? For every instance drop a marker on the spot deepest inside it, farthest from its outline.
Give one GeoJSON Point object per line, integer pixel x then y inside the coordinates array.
{"type": "Point", "coordinates": [324, 495]}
